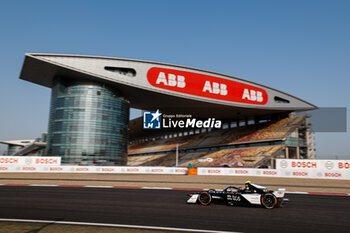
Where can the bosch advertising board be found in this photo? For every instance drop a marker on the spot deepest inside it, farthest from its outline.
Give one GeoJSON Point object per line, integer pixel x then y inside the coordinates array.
{"type": "Point", "coordinates": [30, 160]}
{"type": "Point", "coordinates": [206, 86]}
{"type": "Point", "coordinates": [311, 164]}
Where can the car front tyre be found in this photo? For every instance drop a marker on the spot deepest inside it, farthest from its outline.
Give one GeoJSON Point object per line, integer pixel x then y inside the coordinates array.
{"type": "Point", "coordinates": [204, 198]}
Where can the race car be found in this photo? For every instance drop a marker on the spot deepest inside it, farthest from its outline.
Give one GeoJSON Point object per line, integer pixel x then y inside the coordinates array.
{"type": "Point", "coordinates": [249, 195]}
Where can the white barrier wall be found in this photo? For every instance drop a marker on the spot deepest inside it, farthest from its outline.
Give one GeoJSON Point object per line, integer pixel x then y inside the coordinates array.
{"type": "Point", "coordinates": [96, 169]}
{"type": "Point", "coordinates": [29, 160]}
{"type": "Point", "coordinates": [287, 173]}
{"type": "Point", "coordinates": [328, 169]}
{"type": "Point", "coordinates": [238, 171]}
{"type": "Point", "coordinates": [313, 164]}
{"type": "Point", "coordinates": [321, 169]}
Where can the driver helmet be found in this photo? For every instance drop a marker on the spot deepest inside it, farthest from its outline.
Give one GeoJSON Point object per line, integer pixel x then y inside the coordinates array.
{"type": "Point", "coordinates": [246, 184]}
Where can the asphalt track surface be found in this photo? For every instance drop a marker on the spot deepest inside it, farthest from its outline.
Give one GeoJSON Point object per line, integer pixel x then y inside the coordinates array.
{"type": "Point", "coordinates": [164, 182]}
{"type": "Point", "coordinates": [167, 208]}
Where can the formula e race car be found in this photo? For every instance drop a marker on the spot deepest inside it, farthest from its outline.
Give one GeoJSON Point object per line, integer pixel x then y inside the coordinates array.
{"type": "Point", "coordinates": [249, 195]}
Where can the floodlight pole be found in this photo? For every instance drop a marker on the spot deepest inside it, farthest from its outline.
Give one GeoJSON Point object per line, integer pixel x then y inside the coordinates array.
{"type": "Point", "coordinates": [177, 155]}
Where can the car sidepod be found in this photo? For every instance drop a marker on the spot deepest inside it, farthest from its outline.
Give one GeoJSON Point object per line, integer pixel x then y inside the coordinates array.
{"type": "Point", "coordinates": [252, 198]}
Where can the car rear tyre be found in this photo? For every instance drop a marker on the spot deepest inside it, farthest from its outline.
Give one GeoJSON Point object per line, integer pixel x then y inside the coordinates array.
{"type": "Point", "coordinates": [204, 198]}
{"type": "Point", "coordinates": [269, 201]}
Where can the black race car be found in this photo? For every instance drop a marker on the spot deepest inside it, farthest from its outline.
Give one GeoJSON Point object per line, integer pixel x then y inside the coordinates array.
{"type": "Point", "coordinates": [250, 195]}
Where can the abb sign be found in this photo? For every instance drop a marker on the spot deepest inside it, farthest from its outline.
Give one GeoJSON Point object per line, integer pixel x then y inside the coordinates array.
{"type": "Point", "coordinates": [206, 86]}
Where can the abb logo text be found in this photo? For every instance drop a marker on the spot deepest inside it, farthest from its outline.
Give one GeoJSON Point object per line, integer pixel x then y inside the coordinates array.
{"type": "Point", "coordinates": [215, 88]}
{"type": "Point", "coordinates": [253, 95]}
{"type": "Point", "coordinates": [172, 81]}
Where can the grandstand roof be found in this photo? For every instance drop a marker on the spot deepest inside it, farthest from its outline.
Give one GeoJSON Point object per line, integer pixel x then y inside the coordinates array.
{"type": "Point", "coordinates": [23, 142]}
{"type": "Point", "coordinates": [170, 88]}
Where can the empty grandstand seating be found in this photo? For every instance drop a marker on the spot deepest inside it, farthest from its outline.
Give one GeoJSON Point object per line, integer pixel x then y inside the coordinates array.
{"type": "Point", "coordinates": [247, 157]}
{"type": "Point", "coordinates": [161, 152]}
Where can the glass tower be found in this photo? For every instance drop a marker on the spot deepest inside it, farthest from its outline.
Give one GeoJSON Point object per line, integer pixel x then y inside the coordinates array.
{"type": "Point", "coordinates": [11, 149]}
{"type": "Point", "coordinates": [88, 124]}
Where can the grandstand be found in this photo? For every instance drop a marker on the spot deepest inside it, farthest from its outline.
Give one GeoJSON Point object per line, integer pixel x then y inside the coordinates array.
{"type": "Point", "coordinates": [91, 99]}
{"type": "Point", "coordinates": [252, 144]}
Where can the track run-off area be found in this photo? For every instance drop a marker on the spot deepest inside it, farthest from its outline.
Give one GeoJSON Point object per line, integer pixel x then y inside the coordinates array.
{"type": "Point", "coordinates": [157, 203]}
{"type": "Point", "coordinates": [168, 209]}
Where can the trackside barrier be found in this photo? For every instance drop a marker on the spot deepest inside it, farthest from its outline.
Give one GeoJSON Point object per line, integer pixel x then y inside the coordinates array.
{"type": "Point", "coordinates": [313, 164]}
{"type": "Point", "coordinates": [96, 169]}
{"type": "Point", "coordinates": [340, 172]}
{"type": "Point", "coordinates": [293, 168]}
{"type": "Point", "coordinates": [329, 169]}
{"type": "Point", "coordinates": [30, 160]}
{"type": "Point", "coordinates": [238, 172]}
{"type": "Point", "coordinates": [284, 173]}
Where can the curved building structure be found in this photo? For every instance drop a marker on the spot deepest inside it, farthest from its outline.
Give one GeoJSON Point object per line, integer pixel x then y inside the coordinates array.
{"type": "Point", "coordinates": [88, 122]}
{"type": "Point", "coordinates": [91, 97]}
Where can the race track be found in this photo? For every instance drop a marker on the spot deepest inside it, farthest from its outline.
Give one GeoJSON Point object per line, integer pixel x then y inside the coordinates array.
{"type": "Point", "coordinates": [167, 208]}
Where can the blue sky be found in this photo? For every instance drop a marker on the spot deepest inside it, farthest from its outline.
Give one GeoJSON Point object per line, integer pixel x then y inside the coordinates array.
{"type": "Point", "coordinates": [300, 47]}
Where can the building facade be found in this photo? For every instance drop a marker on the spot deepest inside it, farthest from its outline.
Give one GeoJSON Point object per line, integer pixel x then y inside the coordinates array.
{"type": "Point", "coordinates": [88, 123]}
